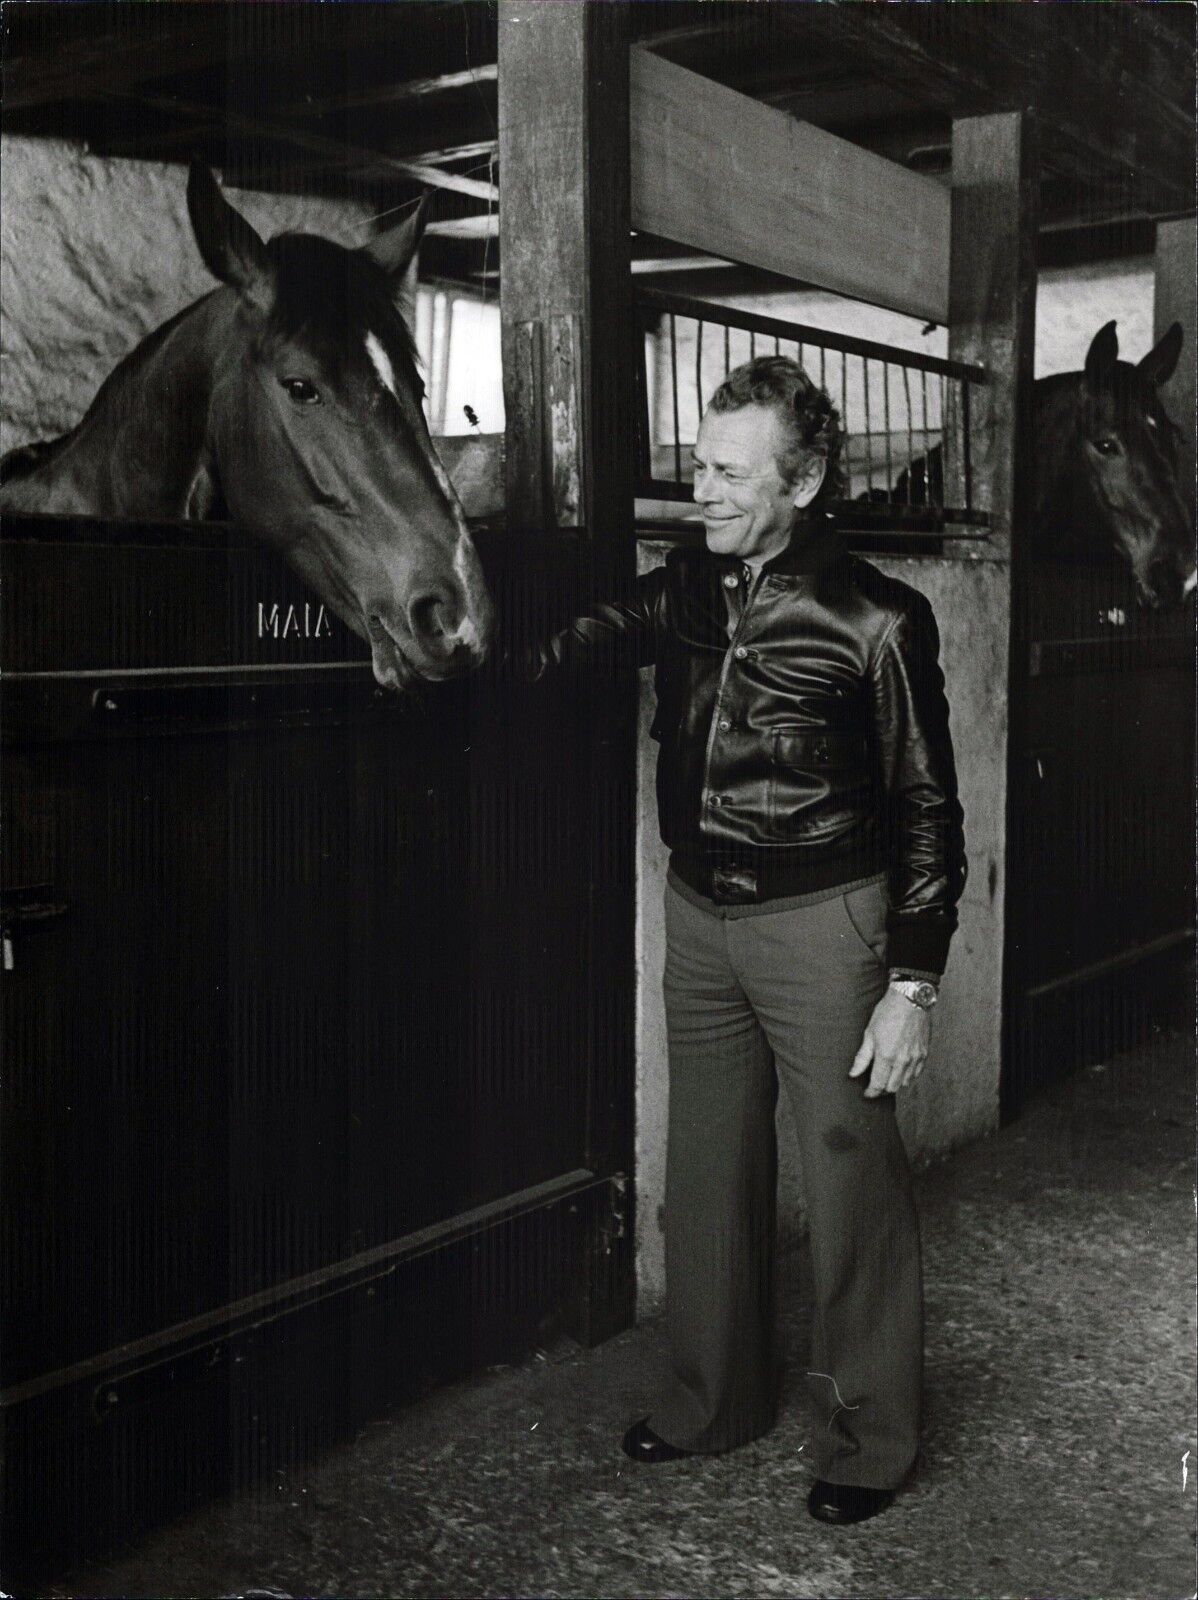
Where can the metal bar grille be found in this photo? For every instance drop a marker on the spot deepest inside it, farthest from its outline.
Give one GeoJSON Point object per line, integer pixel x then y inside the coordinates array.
{"type": "Point", "coordinates": [893, 442]}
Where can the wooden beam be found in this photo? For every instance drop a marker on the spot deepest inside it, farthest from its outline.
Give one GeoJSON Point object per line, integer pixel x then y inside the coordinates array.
{"type": "Point", "coordinates": [149, 45]}
{"type": "Point", "coordinates": [484, 226]}
{"type": "Point", "coordinates": [568, 346]}
{"type": "Point", "coordinates": [992, 312]}
{"type": "Point", "coordinates": [1174, 302]}
{"type": "Point", "coordinates": [730, 177]}
{"type": "Point", "coordinates": [644, 265]}
{"type": "Point", "coordinates": [393, 94]}
{"type": "Point", "coordinates": [337, 150]}
{"type": "Point", "coordinates": [1110, 85]}
{"type": "Point", "coordinates": [992, 318]}
{"type": "Point", "coordinates": [565, 245]}
{"type": "Point", "coordinates": [478, 149]}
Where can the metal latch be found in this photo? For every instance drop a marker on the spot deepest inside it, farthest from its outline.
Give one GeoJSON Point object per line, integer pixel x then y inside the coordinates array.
{"type": "Point", "coordinates": [22, 908]}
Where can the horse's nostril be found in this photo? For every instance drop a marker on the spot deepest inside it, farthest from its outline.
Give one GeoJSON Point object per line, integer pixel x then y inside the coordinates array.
{"type": "Point", "coordinates": [439, 623]}
{"type": "Point", "coordinates": [429, 616]}
{"type": "Point", "coordinates": [1164, 582]}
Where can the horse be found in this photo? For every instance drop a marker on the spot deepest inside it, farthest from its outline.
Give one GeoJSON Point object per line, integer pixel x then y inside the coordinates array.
{"type": "Point", "coordinates": [288, 400]}
{"type": "Point", "coordinates": [1106, 469]}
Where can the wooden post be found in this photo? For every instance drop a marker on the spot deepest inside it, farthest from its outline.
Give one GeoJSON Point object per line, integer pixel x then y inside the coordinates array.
{"type": "Point", "coordinates": [992, 312]}
{"type": "Point", "coordinates": [1174, 302]}
{"type": "Point", "coordinates": [565, 290]}
{"type": "Point", "coordinates": [566, 304]}
{"type": "Point", "coordinates": [992, 309]}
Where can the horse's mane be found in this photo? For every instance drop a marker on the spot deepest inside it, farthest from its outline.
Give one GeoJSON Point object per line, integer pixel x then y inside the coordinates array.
{"type": "Point", "coordinates": [24, 459]}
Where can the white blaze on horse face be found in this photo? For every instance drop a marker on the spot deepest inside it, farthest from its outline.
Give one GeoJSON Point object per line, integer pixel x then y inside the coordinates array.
{"type": "Point", "coordinates": [467, 632]}
{"type": "Point", "coordinates": [467, 628]}
{"type": "Point", "coordinates": [381, 362]}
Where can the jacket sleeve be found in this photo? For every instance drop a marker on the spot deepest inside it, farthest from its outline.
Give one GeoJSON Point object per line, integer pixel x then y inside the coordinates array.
{"type": "Point", "coordinates": [608, 635]}
{"type": "Point", "coordinates": [924, 819]}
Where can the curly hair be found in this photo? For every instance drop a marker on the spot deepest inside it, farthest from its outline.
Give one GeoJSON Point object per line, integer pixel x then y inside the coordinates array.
{"type": "Point", "coordinates": [810, 422]}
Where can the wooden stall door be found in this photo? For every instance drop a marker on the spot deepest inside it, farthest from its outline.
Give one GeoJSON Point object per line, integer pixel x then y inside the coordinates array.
{"type": "Point", "coordinates": [1102, 823]}
{"type": "Point", "coordinates": [317, 1024]}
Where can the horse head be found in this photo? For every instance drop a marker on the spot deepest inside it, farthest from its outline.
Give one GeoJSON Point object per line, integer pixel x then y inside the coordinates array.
{"type": "Point", "coordinates": [317, 442]}
{"type": "Point", "coordinates": [1115, 470]}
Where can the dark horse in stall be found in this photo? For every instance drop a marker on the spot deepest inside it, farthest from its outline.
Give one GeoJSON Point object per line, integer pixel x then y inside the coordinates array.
{"type": "Point", "coordinates": [1106, 469]}
{"type": "Point", "coordinates": [288, 400]}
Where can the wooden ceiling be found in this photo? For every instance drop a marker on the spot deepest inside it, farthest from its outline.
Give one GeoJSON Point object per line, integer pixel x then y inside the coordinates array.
{"type": "Point", "coordinates": [381, 100]}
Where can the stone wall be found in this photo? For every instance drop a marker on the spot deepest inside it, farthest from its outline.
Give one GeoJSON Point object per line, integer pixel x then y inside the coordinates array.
{"type": "Point", "coordinates": [94, 254]}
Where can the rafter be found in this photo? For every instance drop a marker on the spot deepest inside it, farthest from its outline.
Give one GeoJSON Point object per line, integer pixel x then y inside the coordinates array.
{"type": "Point", "coordinates": [115, 61]}
{"type": "Point", "coordinates": [346, 155]}
{"type": "Point", "coordinates": [1127, 105]}
{"type": "Point", "coordinates": [483, 226]}
{"type": "Point", "coordinates": [393, 94]}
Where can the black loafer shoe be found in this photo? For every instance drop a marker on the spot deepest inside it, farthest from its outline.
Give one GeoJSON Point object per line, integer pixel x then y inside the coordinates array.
{"type": "Point", "coordinates": [642, 1444]}
{"type": "Point", "coordinates": [845, 1502]}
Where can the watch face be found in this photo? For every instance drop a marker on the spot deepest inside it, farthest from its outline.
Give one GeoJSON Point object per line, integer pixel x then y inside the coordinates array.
{"type": "Point", "coordinates": [924, 994]}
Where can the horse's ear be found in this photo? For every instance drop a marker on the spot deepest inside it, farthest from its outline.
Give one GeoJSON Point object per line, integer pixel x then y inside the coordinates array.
{"type": "Point", "coordinates": [1102, 355]}
{"type": "Point", "coordinates": [232, 251]}
{"type": "Point", "coordinates": [1157, 366]}
{"type": "Point", "coordinates": [395, 251]}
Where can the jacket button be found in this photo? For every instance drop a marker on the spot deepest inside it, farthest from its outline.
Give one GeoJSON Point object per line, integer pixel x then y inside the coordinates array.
{"type": "Point", "coordinates": [740, 652]}
{"type": "Point", "coordinates": [716, 800]}
{"type": "Point", "coordinates": [724, 725]}
{"type": "Point", "coordinates": [730, 580]}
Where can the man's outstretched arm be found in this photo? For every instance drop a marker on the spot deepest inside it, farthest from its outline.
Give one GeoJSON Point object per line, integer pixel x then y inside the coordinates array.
{"type": "Point", "coordinates": [609, 634]}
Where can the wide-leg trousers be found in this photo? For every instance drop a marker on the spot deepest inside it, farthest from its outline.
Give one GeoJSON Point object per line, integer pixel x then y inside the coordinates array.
{"type": "Point", "coordinates": [751, 1000]}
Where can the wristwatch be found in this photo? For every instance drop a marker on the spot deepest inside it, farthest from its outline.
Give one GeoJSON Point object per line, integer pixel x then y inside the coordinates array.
{"type": "Point", "coordinates": [919, 991]}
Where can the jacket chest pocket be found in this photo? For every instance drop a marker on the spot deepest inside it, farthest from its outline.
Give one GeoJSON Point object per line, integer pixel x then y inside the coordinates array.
{"type": "Point", "coordinates": [818, 781]}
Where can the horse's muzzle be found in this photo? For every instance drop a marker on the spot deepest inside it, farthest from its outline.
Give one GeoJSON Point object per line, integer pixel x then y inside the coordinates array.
{"type": "Point", "coordinates": [449, 626]}
{"type": "Point", "coordinates": [431, 643]}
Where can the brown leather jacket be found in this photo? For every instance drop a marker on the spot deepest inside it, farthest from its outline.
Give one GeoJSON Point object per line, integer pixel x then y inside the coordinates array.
{"type": "Point", "coordinates": [803, 730]}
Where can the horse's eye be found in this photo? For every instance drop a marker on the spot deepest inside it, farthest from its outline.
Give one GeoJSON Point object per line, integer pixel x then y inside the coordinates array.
{"type": "Point", "coordinates": [1106, 447]}
{"type": "Point", "coordinates": [301, 391]}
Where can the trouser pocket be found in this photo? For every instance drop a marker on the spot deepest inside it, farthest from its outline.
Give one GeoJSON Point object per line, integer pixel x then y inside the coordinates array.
{"type": "Point", "coordinates": [866, 907]}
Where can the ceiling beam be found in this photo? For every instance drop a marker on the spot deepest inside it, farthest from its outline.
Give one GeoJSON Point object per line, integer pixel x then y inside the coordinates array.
{"type": "Point", "coordinates": [152, 45]}
{"type": "Point", "coordinates": [480, 149]}
{"type": "Point", "coordinates": [1108, 83]}
{"type": "Point", "coordinates": [346, 155]}
{"type": "Point", "coordinates": [483, 226]}
{"type": "Point", "coordinates": [393, 94]}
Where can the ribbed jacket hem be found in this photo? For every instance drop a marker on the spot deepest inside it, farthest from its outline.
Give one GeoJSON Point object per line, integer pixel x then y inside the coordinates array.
{"type": "Point", "coordinates": [761, 908]}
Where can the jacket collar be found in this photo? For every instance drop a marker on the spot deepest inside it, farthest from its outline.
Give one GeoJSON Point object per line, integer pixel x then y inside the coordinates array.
{"type": "Point", "coordinates": [815, 545]}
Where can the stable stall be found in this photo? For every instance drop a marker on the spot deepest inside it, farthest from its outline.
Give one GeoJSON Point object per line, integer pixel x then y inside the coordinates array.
{"type": "Point", "coordinates": [335, 1064]}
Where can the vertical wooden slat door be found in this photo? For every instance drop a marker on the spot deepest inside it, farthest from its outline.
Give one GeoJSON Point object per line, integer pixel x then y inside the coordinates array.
{"type": "Point", "coordinates": [317, 1028]}
{"type": "Point", "coordinates": [1102, 831]}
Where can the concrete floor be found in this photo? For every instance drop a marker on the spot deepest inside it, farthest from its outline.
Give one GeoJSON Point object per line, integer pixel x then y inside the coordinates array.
{"type": "Point", "coordinates": [1059, 1259]}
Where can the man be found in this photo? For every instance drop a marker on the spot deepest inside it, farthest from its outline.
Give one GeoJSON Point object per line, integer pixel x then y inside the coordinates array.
{"type": "Point", "coordinates": [807, 793]}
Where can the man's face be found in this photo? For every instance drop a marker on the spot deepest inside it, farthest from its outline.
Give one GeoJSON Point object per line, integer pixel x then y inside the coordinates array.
{"type": "Point", "coordinates": [748, 510]}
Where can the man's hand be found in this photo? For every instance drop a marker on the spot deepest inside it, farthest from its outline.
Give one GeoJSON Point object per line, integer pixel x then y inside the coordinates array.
{"type": "Point", "coordinates": [895, 1045]}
